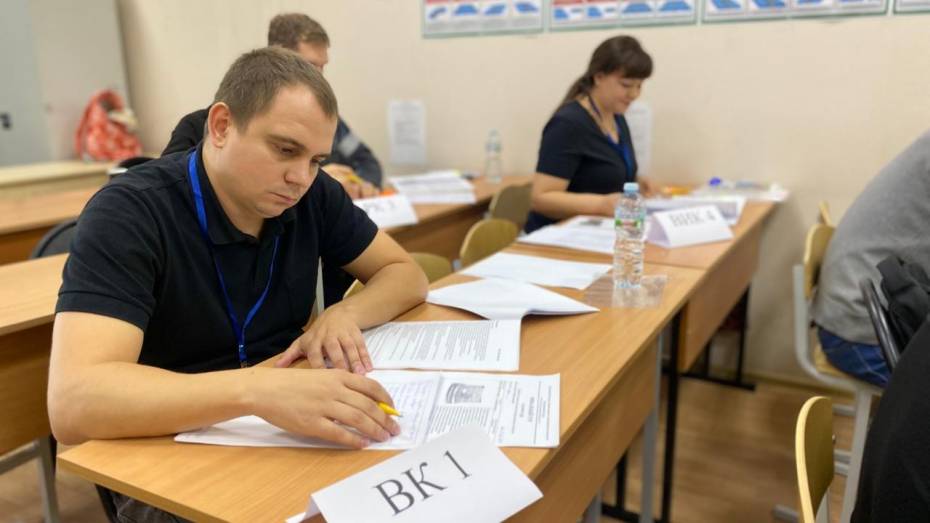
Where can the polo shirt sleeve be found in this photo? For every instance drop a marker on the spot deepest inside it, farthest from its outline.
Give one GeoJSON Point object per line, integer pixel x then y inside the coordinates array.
{"type": "Point", "coordinates": [347, 230]}
{"type": "Point", "coordinates": [559, 153]}
{"type": "Point", "coordinates": [115, 259]}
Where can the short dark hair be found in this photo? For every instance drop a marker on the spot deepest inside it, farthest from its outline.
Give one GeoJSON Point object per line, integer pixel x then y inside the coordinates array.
{"type": "Point", "coordinates": [254, 79]}
{"type": "Point", "coordinates": [289, 29]}
{"type": "Point", "coordinates": [620, 53]}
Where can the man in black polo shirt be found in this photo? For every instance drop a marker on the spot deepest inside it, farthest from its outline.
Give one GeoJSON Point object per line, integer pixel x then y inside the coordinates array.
{"type": "Point", "coordinates": [188, 270]}
{"type": "Point", "coordinates": [351, 163]}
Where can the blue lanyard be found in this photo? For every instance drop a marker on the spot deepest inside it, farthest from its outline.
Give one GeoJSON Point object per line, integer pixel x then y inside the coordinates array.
{"type": "Point", "coordinates": [619, 145]}
{"type": "Point", "coordinates": [238, 330]}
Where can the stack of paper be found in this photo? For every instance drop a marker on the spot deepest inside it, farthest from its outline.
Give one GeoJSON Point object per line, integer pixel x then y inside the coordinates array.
{"type": "Point", "coordinates": [388, 211]}
{"type": "Point", "coordinates": [498, 299]}
{"type": "Point", "coordinates": [541, 271]}
{"type": "Point", "coordinates": [446, 345]}
{"type": "Point", "coordinates": [514, 410]}
{"type": "Point", "coordinates": [435, 187]}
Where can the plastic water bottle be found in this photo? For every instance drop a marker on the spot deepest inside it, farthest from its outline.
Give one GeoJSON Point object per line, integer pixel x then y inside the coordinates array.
{"type": "Point", "coordinates": [492, 157]}
{"type": "Point", "coordinates": [629, 224]}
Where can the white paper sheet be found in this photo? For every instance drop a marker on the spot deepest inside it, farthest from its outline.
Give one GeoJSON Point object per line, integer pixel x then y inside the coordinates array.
{"type": "Point", "coordinates": [388, 211]}
{"type": "Point", "coordinates": [460, 467]}
{"type": "Point", "coordinates": [435, 187]}
{"type": "Point", "coordinates": [592, 239]}
{"type": "Point", "coordinates": [446, 345]}
{"type": "Point", "coordinates": [407, 131]}
{"type": "Point", "coordinates": [498, 299]}
{"type": "Point", "coordinates": [538, 270]}
{"type": "Point", "coordinates": [515, 411]}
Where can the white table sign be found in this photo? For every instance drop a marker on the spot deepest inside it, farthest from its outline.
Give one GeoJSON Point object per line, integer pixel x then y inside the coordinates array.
{"type": "Point", "coordinates": [388, 211]}
{"type": "Point", "coordinates": [690, 226]}
{"type": "Point", "coordinates": [459, 477]}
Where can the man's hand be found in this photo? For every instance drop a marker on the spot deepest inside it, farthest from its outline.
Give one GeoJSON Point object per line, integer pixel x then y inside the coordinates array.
{"type": "Point", "coordinates": [335, 335]}
{"type": "Point", "coordinates": [323, 404]}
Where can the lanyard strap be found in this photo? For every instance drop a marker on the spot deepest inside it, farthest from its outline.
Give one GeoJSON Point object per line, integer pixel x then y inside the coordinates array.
{"type": "Point", "coordinates": [238, 330]}
{"type": "Point", "coordinates": [619, 145]}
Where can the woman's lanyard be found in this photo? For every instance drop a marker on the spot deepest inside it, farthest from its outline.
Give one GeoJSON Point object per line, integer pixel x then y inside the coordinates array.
{"type": "Point", "coordinates": [619, 145]}
{"type": "Point", "coordinates": [238, 330]}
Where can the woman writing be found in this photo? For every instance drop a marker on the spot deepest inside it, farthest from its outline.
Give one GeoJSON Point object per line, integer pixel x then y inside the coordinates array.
{"type": "Point", "coordinates": [586, 154]}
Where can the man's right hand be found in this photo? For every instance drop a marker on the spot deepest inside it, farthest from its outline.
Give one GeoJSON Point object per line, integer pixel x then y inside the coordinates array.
{"type": "Point", "coordinates": [323, 403]}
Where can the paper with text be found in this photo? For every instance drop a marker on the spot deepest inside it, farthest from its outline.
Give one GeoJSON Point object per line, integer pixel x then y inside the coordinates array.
{"type": "Point", "coordinates": [407, 131]}
{"type": "Point", "coordinates": [435, 187]}
{"type": "Point", "coordinates": [499, 299]}
{"type": "Point", "coordinates": [388, 211]}
{"type": "Point", "coordinates": [515, 411]}
{"type": "Point", "coordinates": [441, 480]}
{"type": "Point", "coordinates": [691, 226]}
{"type": "Point", "coordinates": [538, 270]}
{"type": "Point", "coordinates": [446, 345]}
{"type": "Point", "coordinates": [595, 237]}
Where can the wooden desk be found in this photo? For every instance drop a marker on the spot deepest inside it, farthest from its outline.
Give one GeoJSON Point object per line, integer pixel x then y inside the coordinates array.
{"type": "Point", "coordinates": [28, 292]}
{"type": "Point", "coordinates": [440, 230]}
{"type": "Point", "coordinates": [23, 222]}
{"type": "Point", "coordinates": [607, 363]}
{"type": "Point", "coordinates": [727, 269]}
{"type": "Point", "coordinates": [28, 180]}
{"type": "Point", "coordinates": [442, 227]}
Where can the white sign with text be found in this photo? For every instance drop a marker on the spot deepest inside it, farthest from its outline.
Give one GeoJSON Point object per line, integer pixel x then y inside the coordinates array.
{"type": "Point", "coordinates": [460, 476]}
{"type": "Point", "coordinates": [690, 226]}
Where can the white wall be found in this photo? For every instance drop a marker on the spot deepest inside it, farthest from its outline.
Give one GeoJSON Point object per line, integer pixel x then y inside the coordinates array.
{"type": "Point", "coordinates": [79, 51]}
{"type": "Point", "coordinates": [817, 105]}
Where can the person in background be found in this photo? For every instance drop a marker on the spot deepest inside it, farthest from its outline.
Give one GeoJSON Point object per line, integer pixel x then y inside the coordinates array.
{"type": "Point", "coordinates": [889, 218]}
{"type": "Point", "coordinates": [586, 154]}
{"type": "Point", "coordinates": [188, 270]}
{"type": "Point", "coordinates": [351, 163]}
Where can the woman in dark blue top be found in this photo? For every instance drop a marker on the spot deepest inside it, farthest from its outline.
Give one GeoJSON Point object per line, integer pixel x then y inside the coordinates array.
{"type": "Point", "coordinates": [586, 154]}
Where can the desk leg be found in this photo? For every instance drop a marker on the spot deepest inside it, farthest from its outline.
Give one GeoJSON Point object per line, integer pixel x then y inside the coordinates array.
{"type": "Point", "coordinates": [593, 513]}
{"type": "Point", "coordinates": [650, 435]}
{"type": "Point", "coordinates": [47, 477]}
{"type": "Point", "coordinates": [671, 421]}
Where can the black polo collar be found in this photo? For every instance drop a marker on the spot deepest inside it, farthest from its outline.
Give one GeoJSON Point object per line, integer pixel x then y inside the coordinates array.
{"type": "Point", "coordinates": [220, 228]}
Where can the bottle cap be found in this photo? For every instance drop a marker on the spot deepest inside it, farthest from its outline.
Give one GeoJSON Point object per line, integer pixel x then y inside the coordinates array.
{"type": "Point", "coordinates": [631, 187]}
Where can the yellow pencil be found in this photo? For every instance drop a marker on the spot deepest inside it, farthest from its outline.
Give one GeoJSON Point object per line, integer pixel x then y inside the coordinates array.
{"type": "Point", "coordinates": [389, 409]}
{"type": "Point", "coordinates": [354, 178]}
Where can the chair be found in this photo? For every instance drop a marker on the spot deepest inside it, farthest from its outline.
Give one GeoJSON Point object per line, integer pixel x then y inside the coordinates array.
{"type": "Point", "coordinates": [883, 330]}
{"type": "Point", "coordinates": [825, 217]}
{"type": "Point", "coordinates": [813, 361]}
{"type": "Point", "coordinates": [56, 241]}
{"type": "Point", "coordinates": [512, 203]}
{"type": "Point", "coordinates": [433, 265]}
{"type": "Point", "coordinates": [813, 456]}
{"type": "Point", "coordinates": [485, 238]}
